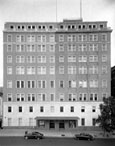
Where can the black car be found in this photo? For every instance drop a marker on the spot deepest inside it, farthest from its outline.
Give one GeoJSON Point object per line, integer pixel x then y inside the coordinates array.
{"type": "Point", "coordinates": [84, 136]}
{"type": "Point", "coordinates": [33, 135]}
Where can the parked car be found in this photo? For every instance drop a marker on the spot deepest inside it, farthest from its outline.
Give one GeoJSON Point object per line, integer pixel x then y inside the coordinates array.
{"type": "Point", "coordinates": [84, 136]}
{"type": "Point", "coordinates": [33, 135]}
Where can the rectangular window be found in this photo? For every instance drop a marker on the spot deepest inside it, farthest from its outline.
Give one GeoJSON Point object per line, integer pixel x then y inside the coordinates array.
{"type": "Point", "coordinates": [72, 109]}
{"type": "Point", "coordinates": [52, 84]}
{"type": "Point", "coordinates": [61, 96]}
{"type": "Point", "coordinates": [52, 70]}
{"type": "Point", "coordinates": [82, 122]}
{"type": "Point", "coordinates": [9, 70]}
{"type": "Point", "coordinates": [61, 38]}
{"type": "Point", "coordinates": [61, 69]}
{"type": "Point", "coordinates": [9, 109]}
{"type": "Point", "coordinates": [9, 48]}
{"type": "Point", "coordinates": [61, 84]}
{"type": "Point", "coordinates": [71, 69]}
{"type": "Point", "coordinates": [9, 84]}
{"type": "Point", "coordinates": [61, 109]}
{"type": "Point", "coordinates": [61, 48]}
{"type": "Point", "coordinates": [82, 58]}
{"type": "Point", "coordinates": [20, 84]}
{"type": "Point", "coordinates": [52, 96]}
{"type": "Point", "coordinates": [31, 109]}
{"type": "Point", "coordinates": [9, 97]}
{"type": "Point", "coordinates": [41, 109]}
{"type": "Point", "coordinates": [41, 70]}
{"type": "Point", "coordinates": [93, 122]}
{"type": "Point", "coordinates": [41, 59]}
{"type": "Point", "coordinates": [20, 70]}
{"type": "Point", "coordinates": [52, 48]}
{"type": "Point", "coordinates": [104, 58]}
{"type": "Point", "coordinates": [9, 59]}
{"type": "Point", "coordinates": [20, 109]}
{"type": "Point", "coordinates": [9, 38]}
{"type": "Point", "coordinates": [82, 109]}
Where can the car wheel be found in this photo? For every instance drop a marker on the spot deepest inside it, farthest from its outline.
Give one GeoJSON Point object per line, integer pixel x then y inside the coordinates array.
{"type": "Point", "coordinates": [26, 137]}
{"type": "Point", "coordinates": [38, 138]}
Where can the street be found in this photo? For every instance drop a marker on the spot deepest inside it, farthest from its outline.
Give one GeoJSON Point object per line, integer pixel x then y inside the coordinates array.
{"type": "Point", "coordinates": [19, 141]}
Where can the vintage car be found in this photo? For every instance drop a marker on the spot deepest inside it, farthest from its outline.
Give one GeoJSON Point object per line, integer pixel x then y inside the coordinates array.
{"type": "Point", "coordinates": [33, 135]}
{"type": "Point", "coordinates": [84, 136]}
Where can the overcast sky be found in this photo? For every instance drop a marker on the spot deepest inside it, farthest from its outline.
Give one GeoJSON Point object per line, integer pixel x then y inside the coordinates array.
{"type": "Point", "coordinates": [45, 10]}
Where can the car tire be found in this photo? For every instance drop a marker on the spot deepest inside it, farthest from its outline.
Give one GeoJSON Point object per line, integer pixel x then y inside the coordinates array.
{"type": "Point", "coordinates": [38, 138]}
{"type": "Point", "coordinates": [26, 137]}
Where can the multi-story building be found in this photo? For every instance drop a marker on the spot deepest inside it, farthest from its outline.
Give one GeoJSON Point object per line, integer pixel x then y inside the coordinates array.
{"type": "Point", "coordinates": [55, 74]}
{"type": "Point", "coordinates": [113, 81]}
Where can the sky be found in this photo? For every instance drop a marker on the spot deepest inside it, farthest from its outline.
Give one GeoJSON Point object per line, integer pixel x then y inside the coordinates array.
{"type": "Point", "coordinates": [45, 10]}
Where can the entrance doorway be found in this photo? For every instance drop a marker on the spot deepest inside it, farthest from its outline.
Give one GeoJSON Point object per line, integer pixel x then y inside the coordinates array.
{"type": "Point", "coordinates": [61, 125]}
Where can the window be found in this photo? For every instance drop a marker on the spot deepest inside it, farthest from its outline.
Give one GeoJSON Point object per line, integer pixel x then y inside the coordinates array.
{"type": "Point", "coordinates": [61, 48]}
{"type": "Point", "coordinates": [93, 47]}
{"type": "Point", "coordinates": [52, 109]}
{"type": "Point", "coordinates": [104, 37]}
{"type": "Point", "coordinates": [9, 84]}
{"type": "Point", "coordinates": [71, 58]}
{"type": "Point", "coordinates": [104, 83]}
{"type": "Point", "coordinates": [93, 122]}
{"type": "Point", "coordinates": [61, 96]}
{"type": "Point", "coordinates": [104, 47]}
{"type": "Point", "coordinates": [52, 84]}
{"type": "Point", "coordinates": [9, 38]}
{"type": "Point", "coordinates": [104, 58]}
{"type": "Point", "coordinates": [41, 70]}
{"type": "Point", "coordinates": [52, 59]}
{"type": "Point", "coordinates": [61, 58]}
{"type": "Point", "coordinates": [72, 124]}
{"type": "Point", "coordinates": [51, 38]}
{"type": "Point", "coordinates": [72, 109]}
{"type": "Point", "coordinates": [31, 97]}
{"type": "Point", "coordinates": [82, 96]}
{"type": "Point", "coordinates": [71, 38]}
{"type": "Point", "coordinates": [82, 37]}
{"type": "Point", "coordinates": [31, 84]}
{"type": "Point", "coordinates": [93, 109]}
{"type": "Point", "coordinates": [41, 48]}
{"type": "Point", "coordinates": [9, 109]}
{"type": "Point", "coordinates": [41, 59]}
{"type": "Point", "coordinates": [82, 121]}
{"type": "Point", "coordinates": [71, 47]}
{"type": "Point", "coordinates": [31, 70]}
{"type": "Point", "coordinates": [9, 70]}
{"type": "Point", "coordinates": [61, 109]}
{"type": "Point", "coordinates": [20, 70]}
{"type": "Point", "coordinates": [41, 84]}
{"type": "Point", "coordinates": [52, 48]}
{"type": "Point", "coordinates": [20, 84]}
{"type": "Point", "coordinates": [61, 38]}
{"type": "Point", "coordinates": [61, 84]}
{"type": "Point", "coordinates": [72, 96]}
{"type": "Point", "coordinates": [31, 59]}
{"type": "Point", "coordinates": [71, 69]}
{"type": "Point", "coordinates": [31, 109]}
{"type": "Point", "coordinates": [82, 58]}
{"type": "Point", "coordinates": [43, 97]}
{"type": "Point", "coordinates": [52, 70]}
{"type": "Point", "coordinates": [72, 84]}
{"type": "Point", "coordinates": [93, 83]}
{"type": "Point", "coordinates": [83, 84]}
{"type": "Point", "coordinates": [30, 38]}
{"type": "Point", "coordinates": [93, 58]}
{"type": "Point", "coordinates": [20, 38]}
{"type": "Point", "coordinates": [83, 109]}
{"type": "Point", "coordinates": [41, 109]}
{"type": "Point", "coordinates": [9, 59]}
{"type": "Point", "coordinates": [9, 48]}
{"type": "Point", "coordinates": [20, 97]}
{"type": "Point", "coordinates": [52, 96]}
{"type": "Point", "coordinates": [83, 70]}
{"type": "Point", "coordinates": [93, 70]}
{"type": "Point", "coordinates": [20, 59]}
{"type": "Point", "coordinates": [61, 69]}
{"type": "Point", "coordinates": [93, 37]}
{"type": "Point", "coordinates": [41, 38]}
{"type": "Point", "coordinates": [93, 97]}
{"type": "Point", "coordinates": [9, 97]}
{"type": "Point", "coordinates": [104, 95]}
{"type": "Point", "coordinates": [20, 109]}
{"type": "Point", "coordinates": [82, 47]}
{"type": "Point", "coordinates": [30, 48]}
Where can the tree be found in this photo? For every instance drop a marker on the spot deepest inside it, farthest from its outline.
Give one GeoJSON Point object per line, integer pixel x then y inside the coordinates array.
{"type": "Point", "coordinates": [106, 119]}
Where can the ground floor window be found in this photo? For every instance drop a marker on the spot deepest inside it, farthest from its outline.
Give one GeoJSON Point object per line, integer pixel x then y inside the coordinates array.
{"type": "Point", "coordinates": [52, 124]}
{"type": "Point", "coordinates": [93, 122]}
{"type": "Point", "coordinates": [82, 122]}
{"type": "Point", "coordinates": [41, 123]}
{"type": "Point", "coordinates": [30, 121]}
{"type": "Point", "coordinates": [72, 124]}
{"type": "Point", "coordinates": [61, 124]}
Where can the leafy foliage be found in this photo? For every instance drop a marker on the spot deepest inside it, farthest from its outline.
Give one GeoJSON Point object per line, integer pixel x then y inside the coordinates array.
{"type": "Point", "coordinates": [106, 119]}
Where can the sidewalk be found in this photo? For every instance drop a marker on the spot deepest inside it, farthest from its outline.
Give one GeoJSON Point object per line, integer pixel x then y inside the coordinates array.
{"type": "Point", "coordinates": [47, 133]}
